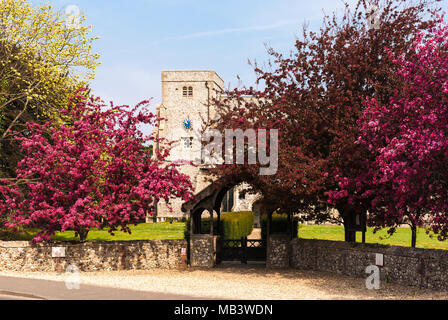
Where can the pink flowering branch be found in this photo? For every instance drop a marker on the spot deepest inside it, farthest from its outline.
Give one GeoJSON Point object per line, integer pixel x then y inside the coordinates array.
{"type": "Point", "coordinates": [405, 180]}
{"type": "Point", "coordinates": [93, 172]}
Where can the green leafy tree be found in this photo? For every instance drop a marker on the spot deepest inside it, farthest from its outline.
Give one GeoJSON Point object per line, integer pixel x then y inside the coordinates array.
{"type": "Point", "coordinates": [43, 59]}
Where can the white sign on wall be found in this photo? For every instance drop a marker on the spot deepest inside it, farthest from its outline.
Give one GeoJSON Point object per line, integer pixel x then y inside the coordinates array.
{"type": "Point", "coordinates": [58, 252]}
{"type": "Point", "coordinates": [379, 259]}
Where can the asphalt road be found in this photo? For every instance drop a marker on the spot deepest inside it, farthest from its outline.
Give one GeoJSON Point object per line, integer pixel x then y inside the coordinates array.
{"type": "Point", "coordinates": [12, 288]}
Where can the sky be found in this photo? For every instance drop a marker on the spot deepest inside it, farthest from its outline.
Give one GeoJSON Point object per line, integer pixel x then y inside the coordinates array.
{"type": "Point", "coordinates": [141, 38]}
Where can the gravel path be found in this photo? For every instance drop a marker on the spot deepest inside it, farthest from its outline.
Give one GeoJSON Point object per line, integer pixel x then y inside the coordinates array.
{"type": "Point", "coordinates": [243, 282]}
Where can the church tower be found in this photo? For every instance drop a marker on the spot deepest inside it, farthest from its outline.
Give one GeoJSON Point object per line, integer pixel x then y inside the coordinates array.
{"type": "Point", "coordinates": [186, 103]}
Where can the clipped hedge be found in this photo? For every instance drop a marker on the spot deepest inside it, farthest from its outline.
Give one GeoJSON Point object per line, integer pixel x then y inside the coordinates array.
{"type": "Point", "coordinates": [279, 225]}
{"type": "Point", "coordinates": [234, 225]}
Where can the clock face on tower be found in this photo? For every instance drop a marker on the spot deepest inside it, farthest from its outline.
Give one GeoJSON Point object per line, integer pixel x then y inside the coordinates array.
{"type": "Point", "coordinates": [187, 124]}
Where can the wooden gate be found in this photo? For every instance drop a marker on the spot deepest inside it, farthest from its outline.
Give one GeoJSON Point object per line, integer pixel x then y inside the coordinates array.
{"type": "Point", "coordinates": [241, 250]}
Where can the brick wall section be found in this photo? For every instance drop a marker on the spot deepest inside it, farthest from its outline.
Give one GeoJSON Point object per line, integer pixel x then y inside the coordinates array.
{"type": "Point", "coordinates": [93, 256]}
{"type": "Point", "coordinates": [407, 266]}
{"type": "Point", "coordinates": [203, 250]}
{"type": "Point", "coordinates": [278, 251]}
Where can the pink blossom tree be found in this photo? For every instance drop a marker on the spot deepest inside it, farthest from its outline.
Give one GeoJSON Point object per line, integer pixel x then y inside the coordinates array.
{"type": "Point", "coordinates": [94, 171]}
{"type": "Point", "coordinates": [405, 180]}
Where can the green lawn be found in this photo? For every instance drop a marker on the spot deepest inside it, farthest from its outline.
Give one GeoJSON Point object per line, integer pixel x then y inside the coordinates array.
{"type": "Point", "coordinates": [144, 231]}
{"type": "Point", "coordinates": [166, 231]}
{"type": "Point", "coordinates": [402, 236]}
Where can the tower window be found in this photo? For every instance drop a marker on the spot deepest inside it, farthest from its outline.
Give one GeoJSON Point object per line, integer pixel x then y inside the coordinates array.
{"type": "Point", "coordinates": [187, 142]}
{"type": "Point", "coordinates": [187, 91]}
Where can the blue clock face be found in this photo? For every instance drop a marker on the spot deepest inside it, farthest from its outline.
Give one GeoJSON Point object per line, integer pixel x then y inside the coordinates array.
{"type": "Point", "coordinates": [188, 124]}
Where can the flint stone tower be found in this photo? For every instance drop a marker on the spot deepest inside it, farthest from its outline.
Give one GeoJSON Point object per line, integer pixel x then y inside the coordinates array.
{"type": "Point", "coordinates": [187, 101]}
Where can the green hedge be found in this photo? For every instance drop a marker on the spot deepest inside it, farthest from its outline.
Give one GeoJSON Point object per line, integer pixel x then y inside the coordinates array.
{"type": "Point", "coordinates": [279, 225]}
{"type": "Point", "coordinates": [234, 225]}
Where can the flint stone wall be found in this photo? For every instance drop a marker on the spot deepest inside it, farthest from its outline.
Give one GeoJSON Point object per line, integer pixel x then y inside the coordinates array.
{"type": "Point", "coordinates": [203, 250]}
{"type": "Point", "coordinates": [94, 256]}
{"type": "Point", "coordinates": [278, 251]}
{"type": "Point", "coordinates": [406, 266]}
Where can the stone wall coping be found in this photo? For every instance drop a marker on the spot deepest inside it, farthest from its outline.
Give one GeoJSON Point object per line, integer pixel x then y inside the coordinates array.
{"type": "Point", "coordinates": [201, 236]}
{"type": "Point", "coordinates": [27, 244]}
{"type": "Point", "coordinates": [14, 244]}
{"type": "Point", "coordinates": [376, 248]}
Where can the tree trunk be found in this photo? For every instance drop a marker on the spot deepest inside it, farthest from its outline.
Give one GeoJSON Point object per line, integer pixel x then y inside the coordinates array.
{"type": "Point", "coordinates": [414, 236]}
{"type": "Point", "coordinates": [83, 235]}
{"type": "Point", "coordinates": [350, 236]}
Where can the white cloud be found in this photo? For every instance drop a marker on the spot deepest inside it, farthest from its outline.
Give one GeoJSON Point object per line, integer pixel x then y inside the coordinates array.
{"type": "Point", "coordinates": [202, 34]}
{"type": "Point", "coordinates": [276, 25]}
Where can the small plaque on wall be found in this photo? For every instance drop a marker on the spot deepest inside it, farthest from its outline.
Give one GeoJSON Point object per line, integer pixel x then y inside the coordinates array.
{"type": "Point", "coordinates": [58, 252]}
{"type": "Point", "coordinates": [379, 259]}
